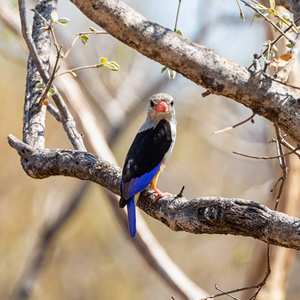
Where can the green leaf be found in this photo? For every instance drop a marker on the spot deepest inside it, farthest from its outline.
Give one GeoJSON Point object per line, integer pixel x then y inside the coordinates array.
{"type": "Point", "coordinates": [242, 16]}
{"type": "Point", "coordinates": [54, 15]}
{"type": "Point", "coordinates": [73, 74]}
{"type": "Point", "coordinates": [40, 86]}
{"type": "Point", "coordinates": [62, 22]}
{"type": "Point", "coordinates": [179, 32]}
{"type": "Point", "coordinates": [84, 39]}
{"type": "Point", "coordinates": [274, 47]}
{"type": "Point", "coordinates": [163, 69]}
{"type": "Point", "coordinates": [61, 54]}
{"type": "Point", "coordinates": [115, 64]}
{"type": "Point", "coordinates": [281, 25]}
{"type": "Point", "coordinates": [51, 92]}
{"type": "Point", "coordinates": [92, 29]}
{"type": "Point", "coordinates": [272, 4]}
{"type": "Point", "coordinates": [44, 28]}
{"type": "Point", "coordinates": [273, 12]}
{"type": "Point", "coordinates": [267, 43]}
{"type": "Point", "coordinates": [263, 10]}
{"type": "Point", "coordinates": [289, 45]}
{"type": "Point", "coordinates": [111, 66]}
{"type": "Point", "coordinates": [287, 17]}
{"type": "Point", "coordinates": [272, 53]}
{"type": "Point", "coordinates": [171, 74]}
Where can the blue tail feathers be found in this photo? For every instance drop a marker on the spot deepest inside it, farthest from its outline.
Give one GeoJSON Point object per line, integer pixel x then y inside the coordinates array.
{"type": "Point", "coordinates": [131, 217]}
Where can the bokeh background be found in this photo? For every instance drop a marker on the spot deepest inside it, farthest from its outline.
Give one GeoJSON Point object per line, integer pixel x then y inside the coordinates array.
{"type": "Point", "coordinates": [92, 258]}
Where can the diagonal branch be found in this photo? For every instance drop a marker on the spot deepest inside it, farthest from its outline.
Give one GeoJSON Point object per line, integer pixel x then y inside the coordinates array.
{"type": "Point", "coordinates": [202, 65]}
{"type": "Point", "coordinates": [212, 215]}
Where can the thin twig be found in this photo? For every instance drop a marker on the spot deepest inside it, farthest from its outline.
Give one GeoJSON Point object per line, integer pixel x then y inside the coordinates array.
{"type": "Point", "coordinates": [268, 272]}
{"type": "Point", "coordinates": [49, 83]}
{"type": "Point", "coordinates": [54, 112]}
{"type": "Point", "coordinates": [236, 125]}
{"type": "Point", "coordinates": [50, 26]}
{"type": "Point", "coordinates": [206, 93]}
{"type": "Point", "coordinates": [282, 164]}
{"type": "Point", "coordinates": [74, 41]}
{"type": "Point", "coordinates": [268, 20]}
{"type": "Point", "coordinates": [257, 286]}
{"type": "Point", "coordinates": [265, 157]}
{"type": "Point", "coordinates": [279, 81]}
{"type": "Point", "coordinates": [231, 292]}
{"type": "Point", "coordinates": [59, 49]}
{"type": "Point", "coordinates": [28, 38]}
{"type": "Point", "coordinates": [175, 28]}
{"type": "Point", "coordinates": [289, 146]}
{"type": "Point", "coordinates": [276, 40]}
{"type": "Point", "coordinates": [77, 69]}
{"type": "Point", "coordinates": [227, 294]}
{"type": "Point", "coordinates": [279, 17]}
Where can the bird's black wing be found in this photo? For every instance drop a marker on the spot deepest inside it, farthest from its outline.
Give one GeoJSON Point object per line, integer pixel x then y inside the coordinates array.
{"type": "Point", "coordinates": [147, 150]}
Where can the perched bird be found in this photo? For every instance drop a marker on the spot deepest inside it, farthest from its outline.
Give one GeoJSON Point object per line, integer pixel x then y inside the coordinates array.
{"type": "Point", "coordinates": [151, 147]}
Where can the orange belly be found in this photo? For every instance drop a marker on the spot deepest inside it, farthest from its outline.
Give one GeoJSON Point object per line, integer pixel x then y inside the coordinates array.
{"type": "Point", "coordinates": [154, 180]}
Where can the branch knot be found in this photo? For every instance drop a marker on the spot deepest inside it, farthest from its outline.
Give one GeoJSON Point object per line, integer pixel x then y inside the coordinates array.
{"type": "Point", "coordinates": [208, 215]}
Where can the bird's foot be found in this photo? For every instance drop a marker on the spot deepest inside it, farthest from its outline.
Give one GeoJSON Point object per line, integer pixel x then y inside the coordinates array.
{"type": "Point", "coordinates": [160, 194]}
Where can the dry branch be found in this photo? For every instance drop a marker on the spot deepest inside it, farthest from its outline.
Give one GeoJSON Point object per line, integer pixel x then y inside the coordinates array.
{"type": "Point", "coordinates": [212, 215]}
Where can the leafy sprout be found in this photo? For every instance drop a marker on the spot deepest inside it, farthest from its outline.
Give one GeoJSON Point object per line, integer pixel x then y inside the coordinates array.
{"type": "Point", "coordinates": [60, 21]}
{"type": "Point", "coordinates": [41, 86]}
{"type": "Point", "coordinates": [110, 65]}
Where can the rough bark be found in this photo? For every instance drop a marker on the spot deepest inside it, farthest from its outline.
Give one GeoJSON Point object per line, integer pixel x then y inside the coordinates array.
{"type": "Point", "coordinates": [34, 119]}
{"type": "Point", "coordinates": [212, 215]}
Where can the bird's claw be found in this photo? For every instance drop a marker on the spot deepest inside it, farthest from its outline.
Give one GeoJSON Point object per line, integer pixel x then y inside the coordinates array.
{"type": "Point", "coordinates": [160, 194]}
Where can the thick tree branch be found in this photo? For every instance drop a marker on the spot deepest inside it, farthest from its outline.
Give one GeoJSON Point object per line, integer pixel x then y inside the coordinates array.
{"type": "Point", "coordinates": [34, 120]}
{"type": "Point", "coordinates": [213, 215]}
{"type": "Point", "coordinates": [291, 5]}
{"type": "Point", "coordinates": [79, 164]}
{"type": "Point", "coordinates": [219, 75]}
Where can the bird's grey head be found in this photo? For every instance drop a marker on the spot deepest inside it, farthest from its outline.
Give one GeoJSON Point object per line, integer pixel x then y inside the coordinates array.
{"type": "Point", "coordinates": [161, 106]}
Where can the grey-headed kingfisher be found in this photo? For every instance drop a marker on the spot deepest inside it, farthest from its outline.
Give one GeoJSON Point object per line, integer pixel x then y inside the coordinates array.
{"type": "Point", "coordinates": [146, 157]}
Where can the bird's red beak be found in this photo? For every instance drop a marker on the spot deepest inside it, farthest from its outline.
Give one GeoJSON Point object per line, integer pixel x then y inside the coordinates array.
{"type": "Point", "coordinates": [162, 107]}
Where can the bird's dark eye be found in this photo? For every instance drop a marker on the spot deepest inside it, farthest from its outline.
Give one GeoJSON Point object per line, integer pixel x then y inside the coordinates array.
{"type": "Point", "coordinates": [151, 103]}
{"type": "Point", "coordinates": [172, 103]}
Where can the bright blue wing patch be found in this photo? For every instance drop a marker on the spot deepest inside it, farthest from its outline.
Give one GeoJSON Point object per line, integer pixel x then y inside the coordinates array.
{"type": "Point", "coordinates": [131, 217]}
{"type": "Point", "coordinates": [136, 185]}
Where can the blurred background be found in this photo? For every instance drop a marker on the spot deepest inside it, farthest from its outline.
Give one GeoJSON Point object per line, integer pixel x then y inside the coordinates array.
{"type": "Point", "coordinates": [91, 257]}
